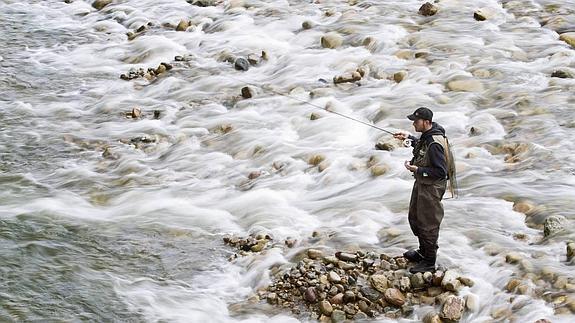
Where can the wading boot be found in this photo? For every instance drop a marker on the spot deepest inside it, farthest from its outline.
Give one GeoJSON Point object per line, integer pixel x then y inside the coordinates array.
{"type": "Point", "coordinates": [413, 255]}
{"type": "Point", "coordinates": [426, 264]}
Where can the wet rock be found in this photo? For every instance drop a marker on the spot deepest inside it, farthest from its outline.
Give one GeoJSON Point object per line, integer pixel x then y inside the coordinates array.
{"type": "Point", "coordinates": [316, 160]}
{"type": "Point", "coordinates": [202, 3]}
{"type": "Point", "coordinates": [370, 293]}
{"type": "Point", "coordinates": [570, 250]}
{"type": "Point", "coordinates": [512, 284]}
{"type": "Point", "coordinates": [378, 170]}
{"type": "Point", "coordinates": [562, 74]}
{"type": "Point", "coordinates": [479, 16]}
{"type": "Point", "coordinates": [338, 316]}
{"type": "Point", "coordinates": [452, 309]}
{"type": "Point", "coordinates": [427, 300]}
{"type": "Point", "coordinates": [569, 38]}
{"type": "Point", "coordinates": [427, 9]}
{"type": "Point", "coordinates": [472, 302]}
{"type": "Point", "coordinates": [346, 256]}
{"type": "Point", "coordinates": [314, 254]}
{"type": "Point", "coordinates": [450, 281]}
{"type": "Point", "coordinates": [310, 295]}
{"type": "Point", "coordinates": [513, 257]}
{"type": "Point", "coordinates": [314, 116]}
{"type": "Point", "coordinates": [253, 59]}
{"type": "Point", "coordinates": [136, 113]}
{"type": "Point", "coordinates": [348, 78]}
{"type": "Point", "coordinates": [434, 291]}
{"type": "Point", "coordinates": [431, 317]}
{"type": "Point", "coordinates": [466, 281]}
{"type": "Point", "coordinates": [331, 40]}
{"type": "Point", "coordinates": [384, 146]}
{"type": "Point", "coordinates": [552, 225]}
{"type": "Point", "coordinates": [247, 92]}
{"type": "Point", "coordinates": [100, 4]}
{"type": "Point", "coordinates": [466, 85]}
{"type": "Point", "coordinates": [360, 317]}
{"type": "Point", "coordinates": [325, 308]}
{"type": "Point", "coordinates": [404, 284]}
{"type": "Point", "coordinates": [525, 207]}
{"type": "Point", "coordinates": [183, 25]}
{"type": "Point", "coordinates": [241, 64]}
{"type": "Point", "coordinates": [399, 76]}
{"type": "Point", "coordinates": [394, 296]}
{"type": "Point", "coordinates": [307, 25]}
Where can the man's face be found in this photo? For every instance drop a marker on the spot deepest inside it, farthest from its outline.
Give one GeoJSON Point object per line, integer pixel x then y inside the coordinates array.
{"type": "Point", "coordinates": [419, 125]}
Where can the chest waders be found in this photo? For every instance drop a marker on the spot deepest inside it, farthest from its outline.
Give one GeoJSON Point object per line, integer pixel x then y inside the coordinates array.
{"type": "Point", "coordinates": [425, 207]}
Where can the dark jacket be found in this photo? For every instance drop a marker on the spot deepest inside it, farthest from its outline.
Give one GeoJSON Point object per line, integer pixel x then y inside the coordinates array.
{"type": "Point", "coordinates": [437, 168]}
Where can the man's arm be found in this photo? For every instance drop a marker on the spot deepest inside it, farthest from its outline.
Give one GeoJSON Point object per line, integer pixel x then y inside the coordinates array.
{"type": "Point", "coordinates": [438, 165]}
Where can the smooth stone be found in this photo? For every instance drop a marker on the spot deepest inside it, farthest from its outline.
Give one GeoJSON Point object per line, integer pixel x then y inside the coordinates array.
{"type": "Point", "coordinates": [314, 254]}
{"type": "Point", "coordinates": [346, 256]}
{"type": "Point", "coordinates": [472, 302]}
{"type": "Point", "coordinates": [479, 16]}
{"type": "Point", "coordinates": [310, 295]}
{"type": "Point", "coordinates": [468, 85]}
{"type": "Point", "coordinates": [183, 25]}
{"type": "Point", "coordinates": [394, 296]}
{"type": "Point", "coordinates": [100, 4]}
{"type": "Point", "coordinates": [379, 282]}
{"type": "Point", "coordinates": [348, 297]}
{"type": "Point", "coordinates": [570, 250]}
{"type": "Point", "coordinates": [450, 281]}
{"type": "Point", "coordinates": [307, 25]}
{"type": "Point", "coordinates": [417, 281]}
{"type": "Point", "coordinates": [569, 38]}
{"type": "Point", "coordinates": [399, 76]}
{"type": "Point", "coordinates": [333, 277]}
{"type": "Point", "coordinates": [247, 92]}
{"type": "Point", "coordinates": [513, 257]}
{"type": "Point", "coordinates": [325, 308]}
{"type": "Point", "coordinates": [337, 299]}
{"type": "Point", "coordinates": [331, 40]}
{"type": "Point", "coordinates": [370, 293]}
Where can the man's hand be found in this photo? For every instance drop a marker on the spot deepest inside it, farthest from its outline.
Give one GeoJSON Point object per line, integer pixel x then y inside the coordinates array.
{"type": "Point", "coordinates": [410, 167]}
{"type": "Point", "coordinates": [401, 135]}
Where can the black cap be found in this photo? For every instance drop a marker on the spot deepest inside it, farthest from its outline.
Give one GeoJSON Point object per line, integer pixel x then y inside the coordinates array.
{"type": "Point", "coordinates": [421, 113]}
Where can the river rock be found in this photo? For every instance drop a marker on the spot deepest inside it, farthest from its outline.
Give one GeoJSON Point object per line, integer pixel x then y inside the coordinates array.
{"type": "Point", "coordinates": [472, 302]}
{"type": "Point", "coordinates": [325, 308]}
{"type": "Point", "coordinates": [427, 9]}
{"type": "Point", "coordinates": [333, 277]}
{"type": "Point", "coordinates": [450, 281]}
{"type": "Point", "coordinates": [100, 4]}
{"type": "Point", "coordinates": [394, 296]}
{"type": "Point", "coordinates": [337, 299]}
{"type": "Point", "coordinates": [379, 282]}
{"type": "Point", "coordinates": [513, 257]}
{"type": "Point", "coordinates": [183, 25]}
{"type": "Point", "coordinates": [338, 316]}
{"type": "Point", "coordinates": [552, 225]}
{"type": "Point", "coordinates": [310, 295]}
{"type": "Point", "coordinates": [331, 40]}
{"type": "Point", "coordinates": [136, 113]}
{"type": "Point", "coordinates": [247, 92]}
{"type": "Point", "coordinates": [241, 64]}
{"type": "Point", "coordinates": [404, 284]}
{"type": "Point", "coordinates": [562, 74]}
{"type": "Point", "coordinates": [466, 281]}
{"type": "Point", "coordinates": [370, 293]}
{"type": "Point", "coordinates": [417, 281]}
{"type": "Point", "coordinates": [314, 254]}
{"type": "Point", "coordinates": [570, 250]}
{"type": "Point", "coordinates": [479, 16]}
{"type": "Point", "coordinates": [431, 317]}
{"type": "Point", "coordinates": [399, 76]}
{"type": "Point", "coordinates": [569, 38]}
{"type": "Point", "coordinates": [437, 278]}
{"type": "Point", "coordinates": [467, 85]}
{"type": "Point", "coordinates": [378, 170]}
{"type": "Point", "coordinates": [202, 3]}
{"type": "Point", "coordinates": [307, 25]}
{"type": "Point", "coordinates": [348, 297]}
{"type": "Point", "coordinates": [434, 291]}
{"type": "Point", "coordinates": [272, 298]}
{"type": "Point", "coordinates": [452, 309]}
{"type": "Point", "coordinates": [346, 256]}
{"type": "Point", "coordinates": [512, 284]}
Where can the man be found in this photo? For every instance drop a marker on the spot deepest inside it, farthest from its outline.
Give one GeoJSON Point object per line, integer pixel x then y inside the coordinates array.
{"type": "Point", "coordinates": [430, 168]}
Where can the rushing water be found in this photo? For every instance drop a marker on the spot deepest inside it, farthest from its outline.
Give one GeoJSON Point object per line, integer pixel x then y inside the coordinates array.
{"type": "Point", "coordinates": [93, 228]}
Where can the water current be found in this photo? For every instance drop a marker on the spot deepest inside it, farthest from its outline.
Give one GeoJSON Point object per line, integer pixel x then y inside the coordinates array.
{"type": "Point", "coordinates": [106, 218]}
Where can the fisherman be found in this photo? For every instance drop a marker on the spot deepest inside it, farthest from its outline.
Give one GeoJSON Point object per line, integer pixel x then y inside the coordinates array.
{"type": "Point", "coordinates": [431, 166]}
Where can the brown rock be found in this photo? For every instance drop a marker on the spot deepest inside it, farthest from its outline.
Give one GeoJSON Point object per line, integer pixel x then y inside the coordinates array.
{"type": "Point", "coordinates": [569, 38]}
{"type": "Point", "coordinates": [452, 309]}
{"type": "Point", "coordinates": [431, 317]}
{"type": "Point", "coordinates": [466, 281]}
{"type": "Point", "coordinates": [450, 281]}
{"type": "Point", "coordinates": [394, 296]}
{"type": "Point", "coordinates": [399, 76]}
{"type": "Point", "coordinates": [379, 282]}
{"type": "Point", "coordinates": [325, 308]}
{"type": "Point", "coordinates": [310, 295]}
{"type": "Point", "coordinates": [427, 9]}
{"type": "Point", "coordinates": [331, 40]}
{"type": "Point", "coordinates": [307, 25]}
{"type": "Point", "coordinates": [314, 254]}
{"type": "Point", "coordinates": [570, 250]}
{"type": "Point", "coordinates": [247, 92]}
{"type": "Point", "coordinates": [136, 113]}
{"type": "Point", "coordinates": [479, 16]}
{"type": "Point", "coordinates": [100, 4]}
{"type": "Point", "coordinates": [337, 299]}
{"type": "Point", "coordinates": [346, 256]}
{"type": "Point", "coordinates": [183, 25]}
{"type": "Point", "coordinates": [512, 284]}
